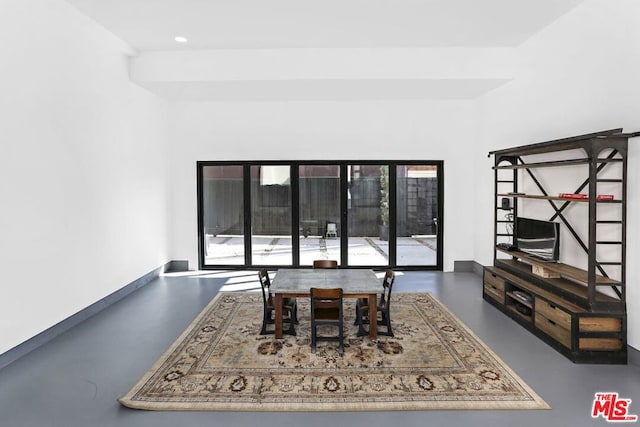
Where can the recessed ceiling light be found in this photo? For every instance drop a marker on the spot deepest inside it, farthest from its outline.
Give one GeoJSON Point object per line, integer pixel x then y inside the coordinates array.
{"type": "Point", "coordinates": [181, 39]}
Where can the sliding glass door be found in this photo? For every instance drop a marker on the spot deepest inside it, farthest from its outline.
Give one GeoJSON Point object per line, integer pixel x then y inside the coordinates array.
{"type": "Point", "coordinates": [271, 215]}
{"type": "Point", "coordinates": [372, 214]}
{"type": "Point", "coordinates": [222, 213]}
{"type": "Point", "coordinates": [319, 213]}
{"type": "Point", "coordinates": [368, 214]}
{"type": "Point", "coordinates": [416, 215]}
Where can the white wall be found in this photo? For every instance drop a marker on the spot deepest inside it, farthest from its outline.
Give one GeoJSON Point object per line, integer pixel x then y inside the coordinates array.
{"type": "Point", "coordinates": [579, 75]}
{"type": "Point", "coordinates": [82, 168]}
{"type": "Point", "coordinates": [357, 130]}
{"type": "Point", "coordinates": [84, 181]}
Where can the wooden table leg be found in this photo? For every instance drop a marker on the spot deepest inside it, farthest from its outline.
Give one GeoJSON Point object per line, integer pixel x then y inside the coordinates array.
{"type": "Point", "coordinates": [278, 315]}
{"type": "Point", "coordinates": [373, 316]}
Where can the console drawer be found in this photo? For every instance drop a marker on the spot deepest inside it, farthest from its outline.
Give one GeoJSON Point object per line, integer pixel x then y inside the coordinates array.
{"type": "Point", "coordinates": [605, 326]}
{"type": "Point", "coordinates": [494, 292]}
{"type": "Point", "coordinates": [600, 324]}
{"type": "Point", "coordinates": [600, 344]}
{"type": "Point", "coordinates": [494, 280]}
{"type": "Point", "coordinates": [494, 286]}
{"type": "Point", "coordinates": [553, 329]}
{"type": "Point", "coordinates": [553, 312]}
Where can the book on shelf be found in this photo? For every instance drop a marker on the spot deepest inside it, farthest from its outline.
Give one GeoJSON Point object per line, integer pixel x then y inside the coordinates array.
{"type": "Point", "coordinates": [574, 196]}
{"type": "Point", "coordinates": [581, 196]}
{"type": "Point", "coordinates": [523, 297]}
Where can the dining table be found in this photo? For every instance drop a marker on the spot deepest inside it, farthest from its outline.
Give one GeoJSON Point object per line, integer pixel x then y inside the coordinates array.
{"type": "Point", "coordinates": [297, 283]}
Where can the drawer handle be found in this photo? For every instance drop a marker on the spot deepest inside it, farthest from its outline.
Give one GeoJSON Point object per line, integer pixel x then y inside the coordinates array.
{"type": "Point", "coordinates": [552, 322]}
{"type": "Point", "coordinates": [553, 306]}
{"type": "Point", "coordinates": [493, 275]}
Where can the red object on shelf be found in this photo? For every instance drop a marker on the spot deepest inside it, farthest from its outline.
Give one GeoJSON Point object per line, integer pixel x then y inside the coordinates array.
{"type": "Point", "coordinates": [604, 197]}
{"type": "Point", "coordinates": [574, 196]}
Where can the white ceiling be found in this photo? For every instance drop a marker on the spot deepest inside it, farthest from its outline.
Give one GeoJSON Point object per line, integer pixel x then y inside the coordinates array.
{"type": "Point", "coordinates": [258, 24]}
{"type": "Point", "coordinates": [253, 26]}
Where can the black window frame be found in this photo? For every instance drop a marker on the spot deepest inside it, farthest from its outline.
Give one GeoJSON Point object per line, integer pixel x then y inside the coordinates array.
{"type": "Point", "coordinates": [295, 203]}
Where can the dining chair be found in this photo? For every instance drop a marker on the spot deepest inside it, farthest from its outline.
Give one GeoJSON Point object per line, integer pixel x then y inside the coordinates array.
{"type": "Point", "coordinates": [382, 307]}
{"type": "Point", "coordinates": [332, 230]}
{"type": "Point", "coordinates": [289, 308]}
{"type": "Point", "coordinates": [325, 263]}
{"type": "Point", "coordinates": [326, 309]}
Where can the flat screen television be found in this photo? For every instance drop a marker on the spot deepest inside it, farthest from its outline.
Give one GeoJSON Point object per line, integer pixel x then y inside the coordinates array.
{"type": "Point", "coordinates": [540, 239]}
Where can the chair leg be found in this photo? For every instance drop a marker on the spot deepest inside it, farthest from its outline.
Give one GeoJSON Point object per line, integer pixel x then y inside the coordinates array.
{"type": "Point", "coordinates": [388, 332]}
{"type": "Point", "coordinates": [264, 330]}
{"type": "Point", "coordinates": [313, 338]}
{"type": "Point", "coordinates": [291, 329]}
{"type": "Point", "coordinates": [361, 330]}
{"type": "Point", "coordinates": [341, 340]}
{"type": "Point", "coordinates": [265, 322]}
{"type": "Point", "coordinates": [386, 321]}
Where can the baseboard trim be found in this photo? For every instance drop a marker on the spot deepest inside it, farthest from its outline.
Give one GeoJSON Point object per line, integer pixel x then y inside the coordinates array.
{"type": "Point", "coordinates": [47, 335]}
{"type": "Point", "coordinates": [176, 266]}
{"type": "Point", "coordinates": [467, 267]}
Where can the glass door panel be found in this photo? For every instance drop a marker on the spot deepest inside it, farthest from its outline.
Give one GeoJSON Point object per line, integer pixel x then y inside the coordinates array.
{"type": "Point", "coordinates": [319, 213]}
{"type": "Point", "coordinates": [368, 214]}
{"type": "Point", "coordinates": [271, 215]}
{"type": "Point", "coordinates": [416, 214]}
{"type": "Point", "coordinates": [223, 213]}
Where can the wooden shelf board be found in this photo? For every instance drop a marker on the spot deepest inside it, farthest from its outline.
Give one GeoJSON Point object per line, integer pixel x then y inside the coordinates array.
{"type": "Point", "coordinates": [567, 286]}
{"type": "Point", "coordinates": [533, 289]}
{"type": "Point", "coordinates": [512, 309]}
{"type": "Point", "coordinates": [563, 199]}
{"type": "Point", "coordinates": [564, 270]}
{"type": "Point", "coordinates": [515, 298]}
{"type": "Point", "coordinates": [557, 163]}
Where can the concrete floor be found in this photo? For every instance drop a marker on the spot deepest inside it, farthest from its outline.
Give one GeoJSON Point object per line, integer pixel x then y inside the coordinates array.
{"type": "Point", "coordinates": [75, 379]}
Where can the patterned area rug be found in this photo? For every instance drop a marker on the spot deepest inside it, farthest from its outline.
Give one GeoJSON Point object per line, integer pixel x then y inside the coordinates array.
{"type": "Point", "coordinates": [433, 362]}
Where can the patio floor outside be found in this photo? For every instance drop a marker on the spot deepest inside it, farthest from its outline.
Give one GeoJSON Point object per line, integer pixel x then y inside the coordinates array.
{"type": "Point", "coordinates": [276, 250]}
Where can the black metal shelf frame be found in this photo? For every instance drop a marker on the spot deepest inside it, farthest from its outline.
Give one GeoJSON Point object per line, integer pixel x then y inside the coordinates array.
{"type": "Point", "coordinates": [593, 145]}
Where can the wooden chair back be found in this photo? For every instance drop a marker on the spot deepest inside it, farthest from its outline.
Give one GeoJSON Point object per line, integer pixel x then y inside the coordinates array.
{"type": "Point", "coordinates": [326, 309]}
{"type": "Point", "coordinates": [265, 282]}
{"type": "Point", "coordinates": [387, 284]}
{"type": "Point", "coordinates": [325, 263]}
{"type": "Point", "coordinates": [326, 302]}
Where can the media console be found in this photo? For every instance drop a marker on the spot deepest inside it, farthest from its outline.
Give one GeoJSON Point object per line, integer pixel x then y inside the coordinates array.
{"type": "Point", "coordinates": [556, 309]}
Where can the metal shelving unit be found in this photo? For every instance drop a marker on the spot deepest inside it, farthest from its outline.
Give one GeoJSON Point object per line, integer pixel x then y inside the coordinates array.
{"type": "Point", "coordinates": [595, 292]}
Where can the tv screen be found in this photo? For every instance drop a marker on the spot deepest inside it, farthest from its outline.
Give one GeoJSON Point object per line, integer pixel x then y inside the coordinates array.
{"type": "Point", "coordinates": [538, 238]}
